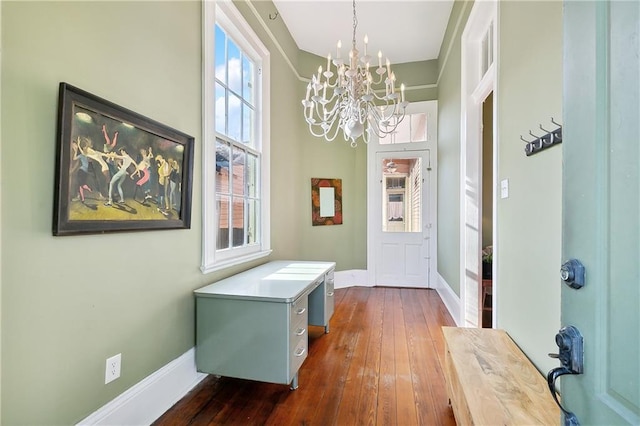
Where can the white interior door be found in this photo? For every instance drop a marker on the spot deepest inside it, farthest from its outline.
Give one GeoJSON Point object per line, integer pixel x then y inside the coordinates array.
{"type": "Point", "coordinates": [401, 214]}
{"type": "Point", "coordinates": [401, 219]}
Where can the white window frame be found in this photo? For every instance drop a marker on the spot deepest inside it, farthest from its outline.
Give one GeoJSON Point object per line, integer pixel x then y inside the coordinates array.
{"type": "Point", "coordinates": [228, 17]}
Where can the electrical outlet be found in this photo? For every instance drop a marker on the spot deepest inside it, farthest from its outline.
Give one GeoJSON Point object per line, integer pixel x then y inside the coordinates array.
{"type": "Point", "coordinates": [504, 188]}
{"type": "Point", "coordinates": [112, 370]}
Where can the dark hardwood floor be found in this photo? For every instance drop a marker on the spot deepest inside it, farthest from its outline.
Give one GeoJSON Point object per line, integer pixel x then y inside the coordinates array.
{"type": "Point", "coordinates": [381, 364]}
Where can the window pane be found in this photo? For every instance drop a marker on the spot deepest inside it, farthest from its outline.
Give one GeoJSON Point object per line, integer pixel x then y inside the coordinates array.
{"type": "Point", "coordinates": [222, 167]}
{"type": "Point", "coordinates": [247, 125]}
{"type": "Point", "coordinates": [222, 202]}
{"type": "Point", "coordinates": [485, 54]}
{"type": "Point", "coordinates": [220, 55]}
{"type": "Point", "coordinates": [233, 117]}
{"type": "Point", "coordinates": [238, 172]}
{"type": "Point", "coordinates": [403, 131]}
{"type": "Point", "coordinates": [252, 175]}
{"type": "Point", "coordinates": [418, 127]}
{"type": "Point", "coordinates": [402, 195]}
{"type": "Point", "coordinates": [234, 67]}
{"type": "Point", "coordinates": [415, 203]}
{"type": "Point", "coordinates": [247, 80]}
{"type": "Point", "coordinates": [395, 183]}
{"type": "Point", "coordinates": [252, 231]}
{"type": "Point", "coordinates": [221, 110]}
{"type": "Point", "coordinates": [238, 222]}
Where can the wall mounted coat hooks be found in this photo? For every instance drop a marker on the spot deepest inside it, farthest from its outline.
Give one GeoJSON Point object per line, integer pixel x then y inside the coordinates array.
{"type": "Point", "coordinates": [547, 140]}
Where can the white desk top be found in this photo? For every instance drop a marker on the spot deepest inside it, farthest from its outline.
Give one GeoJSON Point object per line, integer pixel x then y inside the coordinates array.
{"type": "Point", "coordinates": [278, 281]}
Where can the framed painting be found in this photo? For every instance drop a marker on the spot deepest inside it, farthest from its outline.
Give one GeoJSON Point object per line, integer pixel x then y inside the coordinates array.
{"type": "Point", "coordinates": [326, 201]}
{"type": "Point", "coordinates": [117, 170]}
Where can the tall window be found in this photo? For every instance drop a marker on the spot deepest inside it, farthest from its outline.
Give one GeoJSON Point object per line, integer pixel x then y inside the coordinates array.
{"type": "Point", "coordinates": [236, 141]}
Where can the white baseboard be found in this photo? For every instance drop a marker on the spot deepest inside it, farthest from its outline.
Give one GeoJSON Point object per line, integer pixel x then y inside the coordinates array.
{"type": "Point", "coordinates": [449, 298]}
{"type": "Point", "coordinates": [148, 399]}
{"type": "Point", "coordinates": [351, 278]}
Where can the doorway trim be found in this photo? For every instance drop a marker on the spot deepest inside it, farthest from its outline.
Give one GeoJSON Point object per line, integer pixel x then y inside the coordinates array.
{"type": "Point", "coordinates": [431, 145]}
{"type": "Point", "coordinates": [474, 90]}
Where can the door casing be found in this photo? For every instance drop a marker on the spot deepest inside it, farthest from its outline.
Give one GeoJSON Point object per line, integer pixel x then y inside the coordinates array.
{"type": "Point", "coordinates": [474, 90]}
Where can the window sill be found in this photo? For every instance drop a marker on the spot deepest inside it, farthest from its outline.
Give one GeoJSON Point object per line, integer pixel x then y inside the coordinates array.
{"type": "Point", "coordinates": [227, 263]}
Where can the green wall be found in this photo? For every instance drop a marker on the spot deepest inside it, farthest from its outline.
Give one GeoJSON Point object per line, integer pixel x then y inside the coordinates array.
{"type": "Point", "coordinates": [530, 220]}
{"type": "Point", "coordinates": [449, 147]}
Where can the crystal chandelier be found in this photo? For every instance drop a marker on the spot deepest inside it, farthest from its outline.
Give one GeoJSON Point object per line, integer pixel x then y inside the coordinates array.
{"type": "Point", "coordinates": [353, 100]}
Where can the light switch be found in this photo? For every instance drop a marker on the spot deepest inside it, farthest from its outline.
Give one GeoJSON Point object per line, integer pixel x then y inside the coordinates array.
{"type": "Point", "coordinates": [504, 188]}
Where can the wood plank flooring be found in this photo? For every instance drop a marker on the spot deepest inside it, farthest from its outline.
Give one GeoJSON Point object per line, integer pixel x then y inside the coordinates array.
{"type": "Point", "coordinates": [381, 364]}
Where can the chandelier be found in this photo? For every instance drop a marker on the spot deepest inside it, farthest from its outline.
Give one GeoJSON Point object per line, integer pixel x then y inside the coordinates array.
{"type": "Point", "coordinates": [354, 99]}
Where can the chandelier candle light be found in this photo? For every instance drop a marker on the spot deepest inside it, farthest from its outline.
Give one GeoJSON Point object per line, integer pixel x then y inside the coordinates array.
{"type": "Point", "coordinates": [353, 104]}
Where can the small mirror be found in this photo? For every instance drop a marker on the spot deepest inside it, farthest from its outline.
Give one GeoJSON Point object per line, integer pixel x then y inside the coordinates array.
{"type": "Point", "coordinates": [327, 204]}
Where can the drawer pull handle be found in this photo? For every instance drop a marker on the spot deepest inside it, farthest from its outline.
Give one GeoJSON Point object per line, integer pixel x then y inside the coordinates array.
{"type": "Point", "coordinates": [300, 331]}
{"type": "Point", "coordinates": [301, 311]}
{"type": "Point", "coordinates": [300, 352]}
{"type": "Point", "coordinates": [330, 293]}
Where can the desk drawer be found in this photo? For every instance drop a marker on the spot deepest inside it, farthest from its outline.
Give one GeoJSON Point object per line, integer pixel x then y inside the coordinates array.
{"type": "Point", "coordinates": [298, 354]}
{"type": "Point", "coordinates": [299, 311]}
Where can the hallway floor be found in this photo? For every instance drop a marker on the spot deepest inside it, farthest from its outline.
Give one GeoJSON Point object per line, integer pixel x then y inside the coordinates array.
{"type": "Point", "coordinates": [382, 363]}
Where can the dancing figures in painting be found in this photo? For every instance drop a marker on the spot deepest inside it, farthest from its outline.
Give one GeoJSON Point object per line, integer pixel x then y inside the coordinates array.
{"type": "Point", "coordinates": [154, 173]}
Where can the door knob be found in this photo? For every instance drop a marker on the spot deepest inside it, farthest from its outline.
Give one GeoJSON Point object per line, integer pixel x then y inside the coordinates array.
{"type": "Point", "coordinates": [572, 273]}
{"type": "Point", "coordinates": [570, 354]}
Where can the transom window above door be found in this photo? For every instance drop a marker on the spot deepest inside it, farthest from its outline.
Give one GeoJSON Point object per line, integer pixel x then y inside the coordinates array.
{"type": "Point", "coordinates": [412, 129]}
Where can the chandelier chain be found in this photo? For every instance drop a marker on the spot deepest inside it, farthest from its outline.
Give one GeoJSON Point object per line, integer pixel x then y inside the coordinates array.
{"type": "Point", "coordinates": [355, 24]}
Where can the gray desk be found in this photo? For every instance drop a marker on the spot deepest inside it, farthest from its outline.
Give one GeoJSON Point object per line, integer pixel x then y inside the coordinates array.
{"type": "Point", "coordinates": [254, 325]}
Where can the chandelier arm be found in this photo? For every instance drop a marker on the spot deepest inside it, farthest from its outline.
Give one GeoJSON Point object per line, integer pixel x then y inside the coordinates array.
{"type": "Point", "coordinates": [318, 135]}
{"type": "Point", "coordinates": [367, 136]}
{"type": "Point", "coordinates": [384, 98]}
{"type": "Point", "coordinates": [378, 131]}
{"type": "Point", "coordinates": [330, 114]}
{"type": "Point", "coordinates": [336, 129]}
{"type": "Point", "coordinates": [323, 134]}
{"type": "Point", "coordinates": [381, 77]}
{"type": "Point", "coordinates": [334, 99]}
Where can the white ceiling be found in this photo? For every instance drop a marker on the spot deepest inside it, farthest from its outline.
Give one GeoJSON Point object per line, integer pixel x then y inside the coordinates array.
{"type": "Point", "coordinates": [405, 31]}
